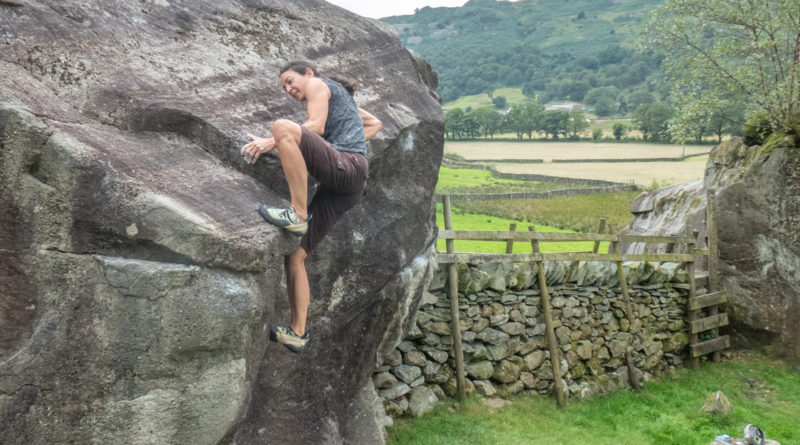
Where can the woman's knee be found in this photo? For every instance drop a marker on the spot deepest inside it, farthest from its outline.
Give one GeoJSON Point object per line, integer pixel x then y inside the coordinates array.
{"type": "Point", "coordinates": [284, 128]}
{"type": "Point", "coordinates": [296, 258]}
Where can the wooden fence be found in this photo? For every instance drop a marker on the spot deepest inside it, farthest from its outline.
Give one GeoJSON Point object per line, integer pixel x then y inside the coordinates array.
{"type": "Point", "coordinates": [677, 243]}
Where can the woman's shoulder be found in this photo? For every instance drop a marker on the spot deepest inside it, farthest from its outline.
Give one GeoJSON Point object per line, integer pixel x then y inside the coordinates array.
{"type": "Point", "coordinates": [317, 85]}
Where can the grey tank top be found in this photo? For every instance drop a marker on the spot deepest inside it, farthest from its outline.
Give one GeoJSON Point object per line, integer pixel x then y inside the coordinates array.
{"type": "Point", "coordinates": [344, 128]}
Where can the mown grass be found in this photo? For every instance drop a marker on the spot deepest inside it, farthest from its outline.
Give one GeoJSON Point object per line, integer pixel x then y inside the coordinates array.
{"type": "Point", "coordinates": [763, 391]}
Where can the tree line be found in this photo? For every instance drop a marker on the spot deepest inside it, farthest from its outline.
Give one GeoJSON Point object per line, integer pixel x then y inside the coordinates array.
{"type": "Point", "coordinates": [530, 118]}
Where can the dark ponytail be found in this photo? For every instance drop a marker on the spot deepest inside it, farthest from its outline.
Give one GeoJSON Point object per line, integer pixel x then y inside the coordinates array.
{"type": "Point", "coordinates": [300, 66]}
{"type": "Point", "coordinates": [348, 84]}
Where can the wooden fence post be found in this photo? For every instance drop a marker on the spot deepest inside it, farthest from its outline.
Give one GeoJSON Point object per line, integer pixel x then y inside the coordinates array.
{"type": "Point", "coordinates": [623, 282]}
{"type": "Point", "coordinates": [599, 230]}
{"type": "Point", "coordinates": [555, 356]}
{"type": "Point", "coordinates": [626, 300]}
{"type": "Point", "coordinates": [713, 255]}
{"type": "Point", "coordinates": [694, 362]}
{"type": "Point", "coordinates": [454, 318]}
{"type": "Point", "coordinates": [510, 243]}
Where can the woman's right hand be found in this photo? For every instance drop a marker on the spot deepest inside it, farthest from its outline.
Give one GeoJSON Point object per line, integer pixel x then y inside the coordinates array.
{"type": "Point", "coordinates": [256, 148]}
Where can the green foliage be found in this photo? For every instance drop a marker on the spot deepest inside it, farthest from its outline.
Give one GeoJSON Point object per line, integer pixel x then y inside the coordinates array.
{"type": "Point", "coordinates": [499, 102]}
{"type": "Point", "coordinates": [725, 118]}
{"type": "Point", "coordinates": [555, 123]}
{"type": "Point", "coordinates": [577, 122]}
{"type": "Point", "coordinates": [539, 46]}
{"type": "Point", "coordinates": [757, 128]}
{"type": "Point", "coordinates": [597, 133]}
{"type": "Point", "coordinates": [525, 119]}
{"type": "Point", "coordinates": [762, 390]}
{"type": "Point", "coordinates": [619, 130]}
{"type": "Point", "coordinates": [746, 52]}
{"type": "Point", "coordinates": [653, 121]}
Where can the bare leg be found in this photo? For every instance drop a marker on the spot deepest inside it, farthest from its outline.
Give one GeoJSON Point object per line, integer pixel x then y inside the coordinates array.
{"type": "Point", "coordinates": [299, 291]}
{"type": "Point", "coordinates": [287, 136]}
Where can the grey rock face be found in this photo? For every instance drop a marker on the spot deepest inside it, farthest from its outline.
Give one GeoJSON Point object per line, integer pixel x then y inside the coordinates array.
{"type": "Point", "coordinates": [757, 193]}
{"type": "Point", "coordinates": [758, 219]}
{"type": "Point", "coordinates": [137, 279]}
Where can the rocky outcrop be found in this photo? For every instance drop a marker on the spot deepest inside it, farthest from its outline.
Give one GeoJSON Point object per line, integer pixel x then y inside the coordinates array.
{"type": "Point", "coordinates": [137, 279]}
{"type": "Point", "coordinates": [757, 191]}
{"type": "Point", "coordinates": [757, 195]}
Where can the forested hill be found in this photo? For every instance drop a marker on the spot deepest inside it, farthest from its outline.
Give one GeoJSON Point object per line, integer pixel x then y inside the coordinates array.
{"type": "Point", "coordinates": [553, 49]}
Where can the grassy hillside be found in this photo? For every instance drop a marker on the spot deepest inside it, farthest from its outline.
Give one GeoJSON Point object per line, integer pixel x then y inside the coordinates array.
{"type": "Point", "coordinates": [535, 45]}
{"type": "Point", "coordinates": [513, 96]}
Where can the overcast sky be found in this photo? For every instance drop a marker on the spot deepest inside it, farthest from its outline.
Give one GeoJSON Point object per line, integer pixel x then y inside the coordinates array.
{"type": "Point", "coordinates": [384, 8]}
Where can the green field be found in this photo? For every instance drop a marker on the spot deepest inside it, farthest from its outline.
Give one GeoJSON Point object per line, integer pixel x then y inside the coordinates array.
{"type": "Point", "coordinates": [462, 180]}
{"type": "Point", "coordinates": [562, 214]}
{"type": "Point", "coordinates": [763, 391]}
{"type": "Point", "coordinates": [512, 95]}
{"type": "Point", "coordinates": [574, 213]}
{"type": "Point", "coordinates": [476, 221]}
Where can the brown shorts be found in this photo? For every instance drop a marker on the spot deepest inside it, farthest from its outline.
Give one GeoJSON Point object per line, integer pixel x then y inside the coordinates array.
{"type": "Point", "coordinates": [342, 177]}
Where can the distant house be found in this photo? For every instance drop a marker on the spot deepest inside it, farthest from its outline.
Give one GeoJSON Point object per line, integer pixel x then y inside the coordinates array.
{"type": "Point", "coordinates": [556, 107]}
{"type": "Point", "coordinates": [566, 107]}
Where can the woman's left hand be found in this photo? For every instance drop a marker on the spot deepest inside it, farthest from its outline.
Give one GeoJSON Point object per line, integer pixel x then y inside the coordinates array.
{"type": "Point", "coordinates": [256, 148]}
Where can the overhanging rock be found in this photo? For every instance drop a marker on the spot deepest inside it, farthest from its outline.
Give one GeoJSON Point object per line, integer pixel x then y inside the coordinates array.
{"type": "Point", "coordinates": [137, 279]}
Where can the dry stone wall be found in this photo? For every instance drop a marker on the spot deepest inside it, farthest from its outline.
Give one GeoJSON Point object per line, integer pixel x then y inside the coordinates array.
{"type": "Point", "coordinates": [504, 339]}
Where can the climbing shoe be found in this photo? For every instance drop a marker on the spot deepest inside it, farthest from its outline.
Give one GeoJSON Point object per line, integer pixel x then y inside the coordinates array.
{"type": "Point", "coordinates": [287, 337]}
{"type": "Point", "coordinates": [286, 218]}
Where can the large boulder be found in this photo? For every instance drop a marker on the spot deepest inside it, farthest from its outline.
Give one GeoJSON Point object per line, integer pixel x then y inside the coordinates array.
{"type": "Point", "coordinates": [757, 194]}
{"type": "Point", "coordinates": [675, 210]}
{"type": "Point", "coordinates": [136, 278]}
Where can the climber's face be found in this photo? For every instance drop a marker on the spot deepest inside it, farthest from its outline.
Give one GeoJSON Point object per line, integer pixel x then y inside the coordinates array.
{"type": "Point", "coordinates": [295, 83]}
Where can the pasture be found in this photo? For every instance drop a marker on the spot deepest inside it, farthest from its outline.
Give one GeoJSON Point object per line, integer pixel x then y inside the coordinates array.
{"type": "Point", "coordinates": [570, 151]}
{"type": "Point", "coordinates": [643, 174]}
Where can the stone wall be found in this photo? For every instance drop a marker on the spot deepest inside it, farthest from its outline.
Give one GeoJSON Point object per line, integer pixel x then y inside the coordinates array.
{"type": "Point", "coordinates": [504, 340]}
{"type": "Point", "coordinates": [538, 195]}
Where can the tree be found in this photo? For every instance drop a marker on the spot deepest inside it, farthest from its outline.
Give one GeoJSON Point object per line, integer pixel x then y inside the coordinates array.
{"type": "Point", "coordinates": [653, 120]}
{"type": "Point", "coordinates": [618, 130]}
{"type": "Point", "coordinates": [470, 125]}
{"type": "Point", "coordinates": [513, 121]}
{"type": "Point", "coordinates": [604, 106]}
{"type": "Point", "coordinates": [489, 121]}
{"type": "Point", "coordinates": [499, 102]}
{"type": "Point", "coordinates": [453, 123]}
{"type": "Point", "coordinates": [597, 133]}
{"type": "Point", "coordinates": [555, 122]}
{"type": "Point", "coordinates": [726, 119]}
{"type": "Point", "coordinates": [746, 51]}
{"type": "Point", "coordinates": [529, 118]}
{"type": "Point", "coordinates": [577, 122]}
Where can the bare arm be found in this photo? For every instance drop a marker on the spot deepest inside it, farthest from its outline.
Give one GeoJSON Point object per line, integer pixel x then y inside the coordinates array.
{"type": "Point", "coordinates": [371, 124]}
{"type": "Point", "coordinates": [317, 96]}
